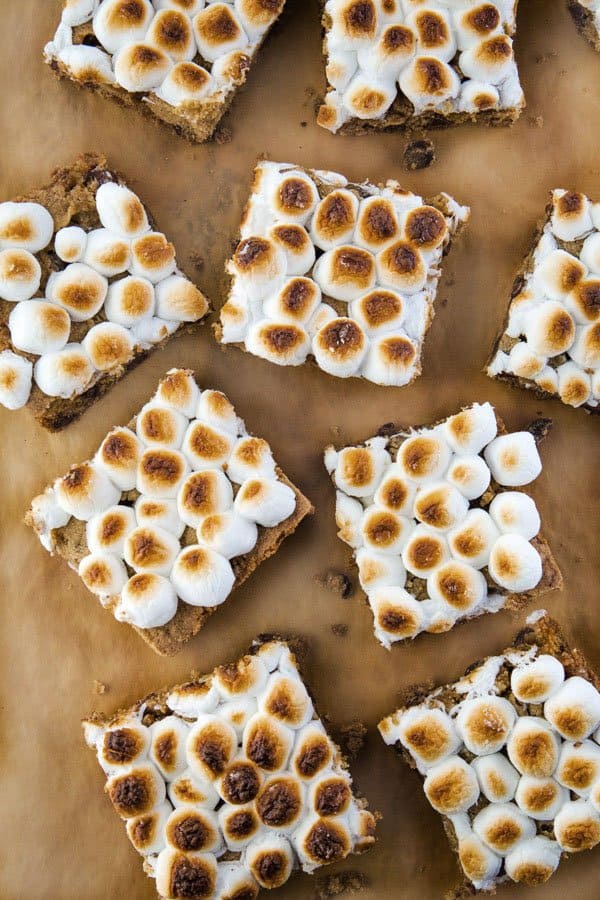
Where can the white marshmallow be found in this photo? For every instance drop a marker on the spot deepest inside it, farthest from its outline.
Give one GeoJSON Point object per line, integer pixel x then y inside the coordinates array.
{"type": "Point", "coordinates": [590, 252]}
{"type": "Point", "coordinates": [533, 747]}
{"type": "Point", "coordinates": [47, 515]}
{"type": "Point", "coordinates": [265, 501]}
{"type": "Point", "coordinates": [215, 409]}
{"type": "Point", "coordinates": [157, 425]}
{"type": "Point", "coordinates": [484, 723]}
{"type": "Point", "coordinates": [424, 551]}
{"type": "Point", "coordinates": [153, 331]}
{"type": "Point", "coordinates": [423, 457]}
{"type": "Point", "coordinates": [293, 196]}
{"type": "Point", "coordinates": [479, 864]}
{"type": "Point", "coordinates": [557, 274]}
{"type": "Point", "coordinates": [171, 32]}
{"type": "Point", "coordinates": [473, 539]}
{"type": "Point", "coordinates": [286, 700]}
{"type": "Point", "coordinates": [136, 791]}
{"type": "Point", "coordinates": [108, 346]}
{"type": "Point", "coordinates": [39, 327]}
{"type": "Point", "coordinates": [150, 550]}
{"type": "Point", "coordinates": [435, 35]}
{"type": "Point", "coordinates": [339, 347]}
{"type": "Point", "coordinates": [27, 226]}
{"type": "Point", "coordinates": [377, 570]}
{"type": "Point", "coordinates": [540, 798]}
{"type": "Point", "coordinates": [515, 564]}
{"type": "Point", "coordinates": [345, 272]}
{"type": "Point", "coordinates": [470, 430]}
{"type": "Point", "coordinates": [502, 826]}
{"type": "Point", "coordinates": [470, 475]}
{"type": "Point", "coordinates": [533, 861]}
{"type": "Point", "coordinates": [524, 361]}
{"type": "Point", "coordinates": [200, 866]}
{"type": "Point", "coordinates": [490, 60]}
{"type": "Point", "coordinates": [178, 390]}
{"type": "Point", "coordinates": [240, 826]}
{"type": "Point", "coordinates": [64, 373]}
{"type": "Point", "coordinates": [163, 513]}
{"type": "Point", "coordinates": [315, 832]}
{"type": "Point", "coordinates": [69, 243]}
{"type": "Point", "coordinates": [238, 713]}
{"type": "Point", "coordinates": [117, 23]}
{"type": "Point", "coordinates": [227, 534]}
{"type": "Point", "coordinates": [281, 860]}
{"type": "Point", "coordinates": [296, 244]}
{"type": "Point", "coordinates": [571, 215]}
{"type": "Point", "coordinates": [250, 457]}
{"type": "Point", "coordinates": [296, 301]}
{"type": "Point", "coordinates": [102, 573]}
{"type": "Point", "coordinates": [515, 513]}
{"type": "Point", "coordinates": [547, 380]}
{"type": "Point", "coordinates": [118, 457]}
{"type": "Point", "coordinates": [583, 303]}
{"type": "Point", "coordinates": [428, 734]}
{"type": "Point", "coordinates": [76, 12]}
{"type": "Point", "coordinates": [377, 224]}
{"type": "Point", "coordinates": [106, 531]}
{"type": "Point", "coordinates": [85, 491]}
{"type": "Point", "coordinates": [458, 586]}
{"type": "Point", "coordinates": [549, 329]}
{"type": "Point", "coordinates": [397, 615]}
{"type": "Point", "coordinates": [210, 733]}
{"type": "Point", "coordinates": [401, 267]}
{"type": "Point", "coordinates": [153, 257]}
{"type": "Point", "coordinates": [218, 30]}
{"type": "Point", "coordinates": [257, 18]}
{"type": "Point", "coordinates": [586, 347]}
{"type": "Point", "coordinates": [129, 300]}
{"type": "Point", "coordinates": [514, 459]}
{"type": "Point", "coordinates": [202, 577]}
{"type": "Point", "coordinates": [577, 826]}
{"type": "Point", "coordinates": [168, 738]}
{"type": "Point", "coordinates": [146, 832]}
{"type": "Point", "coordinates": [341, 66]}
{"type": "Point", "coordinates": [352, 28]}
{"type": "Point", "coordinates": [595, 796]}
{"type": "Point", "coordinates": [20, 274]}
{"type": "Point", "coordinates": [334, 219]}
{"type": "Point", "coordinates": [574, 710]}
{"type": "Point", "coordinates": [188, 788]}
{"type": "Point", "coordinates": [359, 470]}
{"type": "Point", "coordinates": [323, 314]}
{"type": "Point", "coordinates": [87, 64]}
{"type": "Point", "coordinates": [106, 252]}
{"type": "Point", "coordinates": [473, 24]}
{"type": "Point", "coordinates": [385, 59]}
{"type": "Point", "coordinates": [260, 264]}
{"type": "Point", "coordinates": [281, 343]}
{"type": "Point", "coordinates": [185, 83]}
{"type": "Point", "coordinates": [121, 745]}
{"type": "Point", "coordinates": [574, 385]}
{"type": "Point", "coordinates": [348, 517]}
{"type": "Point", "coordinates": [202, 494]}
{"type": "Point", "coordinates": [498, 780]}
{"type": "Point", "coordinates": [440, 506]}
{"type": "Point", "coordinates": [451, 786]}
{"type": "Point", "coordinates": [391, 360]}
{"type": "Point", "coordinates": [191, 7]}
{"type": "Point", "coordinates": [121, 211]}
{"type": "Point", "coordinates": [79, 289]}
{"type": "Point", "coordinates": [233, 880]}
{"type": "Point", "coordinates": [385, 531]}
{"type": "Point", "coordinates": [417, 78]}
{"type": "Point", "coordinates": [379, 311]}
{"type": "Point", "coordinates": [476, 96]}
{"type": "Point", "coordinates": [578, 767]}
{"type": "Point", "coordinates": [147, 601]}
{"type": "Point", "coordinates": [536, 681]}
{"type": "Point", "coordinates": [178, 300]}
{"type": "Point", "coordinates": [246, 677]}
{"type": "Point", "coordinates": [395, 492]}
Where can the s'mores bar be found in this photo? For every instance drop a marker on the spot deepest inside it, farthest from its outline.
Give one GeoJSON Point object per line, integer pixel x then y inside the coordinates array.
{"type": "Point", "coordinates": [510, 758]}
{"type": "Point", "coordinates": [173, 512]}
{"type": "Point", "coordinates": [181, 61]}
{"type": "Point", "coordinates": [230, 783]}
{"type": "Point", "coordinates": [344, 273]}
{"type": "Point", "coordinates": [586, 15]}
{"type": "Point", "coordinates": [410, 63]}
{"type": "Point", "coordinates": [88, 288]}
{"type": "Point", "coordinates": [550, 342]}
{"type": "Point", "coordinates": [437, 529]}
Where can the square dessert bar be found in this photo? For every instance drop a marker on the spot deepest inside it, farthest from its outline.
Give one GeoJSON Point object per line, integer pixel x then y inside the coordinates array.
{"type": "Point", "coordinates": [173, 512]}
{"type": "Point", "coordinates": [510, 758]}
{"type": "Point", "coordinates": [181, 61]}
{"type": "Point", "coordinates": [345, 273]}
{"type": "Point", "coordinates": [550, 342]}
{"type": "Point", "coordinates": [229, 783]}
{"type": "Point", "coordinates": [410, 63]}
{"type": "Point", "coordinates": [88, 289]}
{"type": "Point", "coordinates": [438, 531]}
{"type": "Point", "coordinates": [586, 15]}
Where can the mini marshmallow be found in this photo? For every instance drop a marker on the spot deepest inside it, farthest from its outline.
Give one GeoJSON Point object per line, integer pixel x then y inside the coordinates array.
{"type": "Point", "coordinates": [533, 747]}
{"type": "Point", "coordinates": [484, 723]}
{"type": "Point", "coordinates": [118, 22]}
{"type": "Point", "coordinates": [161, 473]}
{"type": "Point", "coordinates": [457, 585]}
{"type": "Point", "coordinates": [153, 257]}
{"type": "Point", "coordinates": [76, 12]}
{"type": "Point", "coordinates": [210, 746]}
{"type": "Point", "coordinates": [395, 492]}
{"type": "Point", "coordinates": [479, 864]}
{"type": "Point", "coordinates": [536, 681]}
{"type": "Point", "coordinates": [205, 493]}
{"type": "Point", "coordinates": [498, 780]}
{"type": "Point", "coordinates": [577, 827]}
{"type": "Point", "coordinates": [153, 331]}
{"type": "Point", "coordinates": [515, 564]}
{"type": "Point", "coordinates": [334, 219]}
{"type": "Point", "coordinates": [39, 327]}
{"type": "Point", "coordinates": [146, 832]}
{"type": "Point", "coordinates": [20, 274]}
{"type": "Point", "coordinates": [385, 59]}
{"type": "Point", "coordinates": [85, 490]}
{"type": "Point", "coordinates": [121, 746]}
{"type": "Point", "coordinates": [267, 743]}
{"type": "Point", "coordinates": [540, 798]}
{"type": "Point", "coordinates": [147, 601]}
{"type": "Point", "coordinates": [87, 64]}
{"type": "Point", "coordinates": [391, 360]}
{"type": "Point", "coordinates": [171, 32]}
{"type": "Point", "coordinates": [250, 456]}
{"type": "Point", "coordinates": [79, 289]}
{"type": "Point", "coordinates": [297, 246]}
{"type": "Point", "coordinates": [549, 329]}
{"type": "Point", "coordinates": [473, 24]}
{"type": "Point", "coordinates": [425, 227]}
{"type": "Point", "coordinates": [440, 506]}
{"type": "Point", "coordinates": [240, 782]}
{"type": "Point", "coordinates": [547, 380]}
{"type": "Point", "coordinates": [323, 314]}
{"type": "Point", "coordinates": [136, 791]}
{"type": "Point", "coordinates": [218, 30]}
{"type": "Point", "coordinates": [574, 710]}
{"type": "Point", "coordinates": [193, 830]}
{"type": "Point", "coordinates": [423, 457]}
{"type": "Point", "coordinates": [357, 471]}
{"type": "Point", "coordinates": [185, 83]}
{"type": "Point", "coordinates": [451, 786]}
{"type": "Point", "coordinates": [193, 698]}
{"type": "Point", "coordinates": [270, 861]}
{"type": "Point", "coordinates": [384, 531]}
{"type": "Point", "coordinates": [257, 16]}
{"type": "Point", "coordinates": [401, 267]}
{"type": "Point", "coordinates": [533, 862]}
{"type": "Point", "coordinates": [215, 409]}
{"type": "Point", "coordinates": [574, 385]}
{"type": "Point", "coordinates": [178, 390]}
{"type": "Point", "coordinates": [578, 766]}
{"type": "Point", "coordinates": [234, 881]}
{"type": "Point", "coordinates": [428, 82]}
{"type": "Point", "coordinates": [191, 7]}
{"type": "Point", "coordinates": [265, 501]}
{"type": "Point", "coordinates": [312, 752]}
{"type": "Point", "coordinates": [296, 301]}
{"type": "Point", "coordinates": [590, 252]}
{"type": "Point", "coordinates": [246, 677]}
{"type": "Point", "coordinates": [260, 264]}
{"type": "Point", "coordinates": [345, 272]}
{"type": "Point", "coordinates": [434, 32]}
{"type": "Point", "coordinates": [238, 713]}
{"type": "Point", "coordinates": [120, 210]}
{"type": "Point", "coordinates": [282, 343]}
{"type": "Point", "coordinates": [163, 513]}
{"type": "Point", "coordinates": [168, 738]}
{"type": "Point", "coordinates": [557, 274]}
{"type": "Point", "coordinates": [293, 197]}
{"type": "Point", "coordinates": [102, 573]}
{"type": "Point", "coordinates": [377, 570]}
{"type": "Point", "coordinates": [227, 534]}
{"type": "Point", "coordinates": [286, 700]}
{"type": "Point", "coordinates": [586, 347]}
{"type": "Point", "coordinates": [377, 224]}
{"type": "Point", "coordinates": [513, 459]}
{"type": "Point", "coordinates": [321, 841]}
{"type": "Point", "coordinates": [341, 66]}
{"type": "Point", "coordinates": [470, 475]}
{"type": "Point", "coordinates": [470, 430]}
{"type": "Point", "coordinates": [524, 361]}
{"type": "Point", "coordinates": [118, 457]}
{"type": "Point", "coordinates": [428, 734]}
{"type": "Point", "coordinates": [196, 872]}
{"type": "Point", "coordinates": [348, 517]}
{"type": "Point", "coordinates": [150, 550]}
{"type": "Point", "coordinates": [339, 347]}
{"type": "Point", "coordinates": [424, 552]}
{"type": "Point", "coordinates": [202, 577]}
{"type": "Point", "coordinates": [330, 795]}
{"type": "Point", "coordinates": [516, 513]}
{"type": "Point", "coordinates": [108, 346]}
{"type": "Point", "coordinates": [240, 826]}
{"type": "Point", "coordinates": [141, 67]}
{"type": "Point", "coordinates": [106, 531]}
{"type": "Point", "coordinates": [379, 311]}
{"type": "Point", "coordinates": [178, 300]}
{"type": "Point", "coordinates": [490, 60]}
{"type": "Point", "coordinates": [583, 303]}
{"type": "Point", "coordinates": [129, 301]}
{"type": "Point", "coordinates": [107, 253]}
{"type": "Point", "coordinates": [69, 243]}
{"type": "Point", "coordinates": [502, 826]}
{"type": "Point", "coordinates": [571, 215]}
{"type": "Point", "coordinates": [160, 426]}
{"type": "Point", "coordinates": [280, 803]}
{"type": "Point", "coordinates": [26, 226]}
{"type": "Point", "coordinates": [354, 23]}
{"type": "Point", "coordinates": [205, 446]}
{"type": "Point", "coordinates": [397, 615]}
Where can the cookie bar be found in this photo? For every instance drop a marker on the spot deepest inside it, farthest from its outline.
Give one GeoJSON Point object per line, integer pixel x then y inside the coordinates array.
{"type": "Point", "coordinates": [173, 512]}
{"type": "Point", "coordinates": [88, 289]}
{"type": "Point", "coordinates": [181, 61]}
{"type": "Point", "coordinates": [550, 342]}
{"type": "Point", "coordinates": [510, 758]}
{"type": "Point", "coordinates": [345, 273]}
{"type": "Point", "coordinates": [230, 783]}
{"type": "Point", "coordinates": [586, 15]}
{"type": "Point", "coordinates": [407, 63]}
{"type": "Point", "coordinates": [438, 530]}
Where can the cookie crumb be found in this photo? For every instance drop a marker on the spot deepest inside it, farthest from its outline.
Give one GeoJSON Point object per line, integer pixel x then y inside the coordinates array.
{"type": "Point", "coordinates": [303, 124]}
{"type": "Point", "coordinates": [352, 738]}
{"type": "Point", "coordinates": [100, 687]}
{"type": "Point", "coordinates": [223, 135]}
{"type": "Point", "coordinates": [340, 629]}
{"type": "Point", "coordinates": [340, 883]}
{"type": "Point", "coordinates": [197, 260]}
{"type": "Point", "coordinates": [337, 583]}
{"type": "Point", "coordinates": [419, 154]}
{"type": "Point", "coordinates": [536, 121]}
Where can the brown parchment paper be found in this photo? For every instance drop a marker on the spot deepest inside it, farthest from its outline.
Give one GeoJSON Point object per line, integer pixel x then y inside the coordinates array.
{"type": "Point", "coordinates": [59, 839]}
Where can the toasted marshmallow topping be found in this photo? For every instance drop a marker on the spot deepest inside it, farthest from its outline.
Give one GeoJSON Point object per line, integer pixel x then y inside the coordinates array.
{"type": "Point", "coordinates": [533, 747]}
{"type": "Point", "coordinates": [478, 862]}
{"type": "Point", "coordinates": [536, 681]}
{"type": "Point", "coordinates": [502, 826]}
{"type": "Point", "coordinates": [440, 506]}
{"type": "Point", "coordinates": [514, 459]}
{"type": "Point", "coordinates": [106, 531]}
{"type": "Point", "coordinates": [423, 458]}
{"type": "Point", "coordinates": [515, 564]}
{"type": "Point", "coordinates": [470, 430]}
{"type": "Point", "coordinates": [451, 786]}
{"type": "Point", "coordinates": [577, 826]}
{"type": "Point", "coordinates": [39, 327]}
{"type": "Point", "coordinates": [533, 861]}
{"type": "Point", "coordinates": [84, 491]}
{"type": "Point", "coordinates": [485, 723]}
{"type": "Point", "coordinates": [178, 390]}
{"type": "Point", "coordinates": [146, 831]}
{"type": "Point", "coordinates": [574, 709]}
{"type": "Point", "coordinates": [176, 872]}
{"type": "Point", "coordinates": [265, 501]}
{"type": "Point", "coordinates": [118, 457]}
{"type": "Point", "coordinates": [106, 253]}
{"type": "Point", "coordinates": [20, 274]}
{"type": "Point", "coordinates": [79, 289]}
{"type": "Point", "coordinates": [429, 735]}
{"type": "Point", "coordinates": [108, 346]}
{"type": "Point", "coordinates": [470, 475]}
{"type": "Point", "coordinates": [515, 512]}
{"type": "Point", "coordinates": [25, 226]}
{"type": "Point", "coordinates": [498, 780]}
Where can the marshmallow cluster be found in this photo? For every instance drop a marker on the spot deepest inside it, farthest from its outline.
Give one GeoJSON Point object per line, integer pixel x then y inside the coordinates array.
{"type": "Point", "coordinates": [122, 272]}
{"type": "Point", "coordinates": [168, 504]}
{"type": "Point", "coordinates": [234, 785]}
{"type": "Point", "coordinates": [438, 532]}
{"type": "Point", "coordinates": [552, 339]}
{"type": "Point", "coordinates": [516, 770]}
{"type": "Point", "coordinates": [444, 57]}
{"type": "Point", "coordinates": [343, 272]}
{"type": "Point", "coordinates": [186, 54]}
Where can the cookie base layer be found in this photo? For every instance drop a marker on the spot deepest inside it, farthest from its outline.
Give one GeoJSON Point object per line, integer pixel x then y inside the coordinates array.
{"type": "Point", "coordinates": [586, 26]}
{"type": "Point", "coordinates": [69, 194]}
